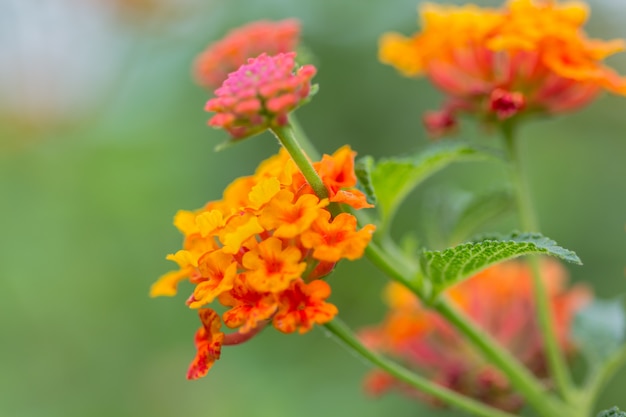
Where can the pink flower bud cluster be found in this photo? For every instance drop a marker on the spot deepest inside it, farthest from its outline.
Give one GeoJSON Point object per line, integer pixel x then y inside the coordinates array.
{"type": "Point", "coordinates": [260, 94]}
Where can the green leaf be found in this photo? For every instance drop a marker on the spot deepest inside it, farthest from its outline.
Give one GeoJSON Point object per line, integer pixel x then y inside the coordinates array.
{"type": "Point", "coordinates": [363, 170]}
{"type": "Point", "coordinates": [451, 266]}
{"type": "Point", "coordinates": [612, 412]}
{"type": "Point", "coordinates": [600, 329]}
{"type": "Point", "coordinates": [393, 179]}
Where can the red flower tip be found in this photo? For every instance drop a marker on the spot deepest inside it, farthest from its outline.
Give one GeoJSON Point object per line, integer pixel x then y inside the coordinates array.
{"type": "Point", "coordinates": [506, 104]}
{"type": "Point", "coordinates": [260, 94]}
{"type": "Point", "coordinates": [439, 123]}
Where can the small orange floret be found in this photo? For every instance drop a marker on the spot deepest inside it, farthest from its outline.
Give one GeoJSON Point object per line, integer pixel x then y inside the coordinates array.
{"type": "Point", "coordinates": [337, 173]}
{"type": "Point", "coordinates": [336, 239]}
{"type": "Point", "coordinates": [208, 342]}
{"type": "Point", "coordinates": [239, 228]}
{"type": "Point", "coordinates": [291, 219]}
{"type": "Point", "coordinates": [303, 305]}
{"type": "Point", "coordinates": [248, 306]}
{"type": "Point", "coordinates": [217, 273]}
{"type": "Point", "coordinates": [272, 267]}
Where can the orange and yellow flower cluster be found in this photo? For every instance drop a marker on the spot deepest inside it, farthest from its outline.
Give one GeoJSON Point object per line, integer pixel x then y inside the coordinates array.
{"type": "Point", "coordinates": [530, 56]}
{"type": "Point", "coordinates": [500, 300]}
{"type": "Point", "coordinates": [229, 53]}
{"type": "Point", "coordinates": [262, 250]}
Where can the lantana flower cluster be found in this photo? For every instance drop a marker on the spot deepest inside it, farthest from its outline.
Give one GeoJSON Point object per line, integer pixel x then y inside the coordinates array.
{"type": "Point", "coordinates": [500, 299]}
{"type": "Point", "coordinates": [263, 249]}
{"type": "Point", "coordinates": [530, 56]}
{"type": "Point", "coordinates": [260, 94]}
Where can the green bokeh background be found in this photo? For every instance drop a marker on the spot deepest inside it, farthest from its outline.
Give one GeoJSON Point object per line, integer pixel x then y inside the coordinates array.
{"type": "Point", "coordinates": [86, 210]}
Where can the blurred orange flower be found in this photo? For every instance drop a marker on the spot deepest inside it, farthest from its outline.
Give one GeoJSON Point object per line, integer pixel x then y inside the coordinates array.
{"type": "Point", "coordinates": [530, 56]}
{"type": "Point", "coordinates": [262, 250]}
{"type": "Point", "coordinates": [500, 300]}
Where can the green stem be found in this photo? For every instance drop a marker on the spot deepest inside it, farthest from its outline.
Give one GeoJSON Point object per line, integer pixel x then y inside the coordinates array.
{"type": "Point", "coordinates": [303, 139]}
{"type": "Point", "coordinates": [392, 268]}
{"type": "Point", "coordinates": [288, 139]}
{"type": "Point", "coordinates": [343, 334]}
{"type": "Point", "coordinates": [528, 222]}
{"type": "Point", "coordinates": [526, 212]}
{"type": "Point", "coordinates": [520, 377]}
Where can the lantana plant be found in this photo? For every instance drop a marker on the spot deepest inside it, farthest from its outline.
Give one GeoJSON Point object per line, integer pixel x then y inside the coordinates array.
{"type": "Point", "coordinates": [472, 326]}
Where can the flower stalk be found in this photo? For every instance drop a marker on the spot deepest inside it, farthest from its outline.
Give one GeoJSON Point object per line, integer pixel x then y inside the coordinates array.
{"type": "Point", "coordinates": [303, 140]}
{"type": "Point", "coordinates": [287, 138]}
{"type": "Point", "coordinates": [529, 223]}
{"type": "Point", "coordinates": [520, 377]}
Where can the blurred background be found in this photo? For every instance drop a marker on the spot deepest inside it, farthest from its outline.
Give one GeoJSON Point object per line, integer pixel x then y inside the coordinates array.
{"type": "Point", "coordinates": [103, 138]}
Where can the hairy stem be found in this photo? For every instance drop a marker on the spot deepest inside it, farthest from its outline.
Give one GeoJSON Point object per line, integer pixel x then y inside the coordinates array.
{"type": "Point", "coordinates": [303, 140]}
{"type": "Point", "coordinates": [528, 223]}
{"type": "Point", "coordinates": [287, 138]}
{"type": "Point", "coordinates": [520, 377]}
